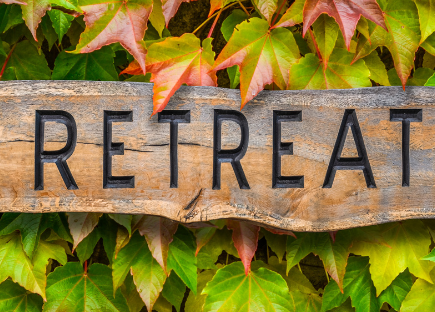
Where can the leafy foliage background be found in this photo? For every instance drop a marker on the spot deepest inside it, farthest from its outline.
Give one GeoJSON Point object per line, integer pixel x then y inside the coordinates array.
{"type": "Point", "coordinates": [96, 262]}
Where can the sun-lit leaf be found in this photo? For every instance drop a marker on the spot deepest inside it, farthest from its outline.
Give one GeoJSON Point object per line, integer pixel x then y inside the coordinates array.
{"type": "Point", "coordinates": [170, 7]}
{"type": "Point", "coordinates": [402, 38]}
{"type": "Point", "coordinates": [115, 21]}
{"type": "Point", "coordinates": [61, 22]}
{"type": "Point", "coordinates": [157, 18]}
{"type": "Point", "coordinates": [325, 31]}
{"type": "Point", "coordinates": [266, 8]}
{"type": "Point", "coordinates": [420, 77]}
{"type": "Point", "coordinates": [378, 72]}
{"type": "Point", "coordinates": [15, 298]}
{"type": "Point", "coordinates": [299, 248]}
{"type": "Point", "coordinates": [176, 61]}
{"type": "Point", "coordinates": [218, 4]}
{"type": "Point", "coordinates": [261, 290]}
{"type": "Point", "coordinates": [245, 238]}
{"type": "Point", "coordinates": [148, 276]}
{"type": "Point", "coordinates": [292, 16]}
{"type": "Point", "coordinates": [306, 302]}
{"type": "Point", "coordinates": [181, 257]}
{"type": "Point", "coordinates": [158, 233]}
{"type": "Point", "coordinates": [196, 302]}
{"type": "Point", "coordinates": [357, 284]}
{"type": "Point", "coordinates": [426, 15]}
{"type": "Point", "coordinates": [81, 224]}
{"type": "Point", "coordinates": [397, 291]}
{"type": "Point", "coordinates": [421, 296]}
{"type": "Point", "coordinates": [69, 286]}
{"type": "Point", "coordinates": [309, 73]}
{"type": "Point", "coordinates": [345, 12]}
{"type": "Point", "coordinates": [174, 290]}
{"type": "Point", "coordinates": [408, 242]}
{"type": "Point", "coordinates": [264, 56]}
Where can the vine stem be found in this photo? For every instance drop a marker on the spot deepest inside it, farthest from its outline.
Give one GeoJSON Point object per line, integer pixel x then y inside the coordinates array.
{"type": "Point", "coordinates": [86, 267]}
{"type": "Point", "coordinates": [243, 7]}
{"type": "Point", "coordinates": [277, 12]}
{"type": "Point", "coordinates": [6, 61]}
{"type": "Point", "coordinates": [214, 23]}
{"type": "Point", "coordinates": [208, 19]}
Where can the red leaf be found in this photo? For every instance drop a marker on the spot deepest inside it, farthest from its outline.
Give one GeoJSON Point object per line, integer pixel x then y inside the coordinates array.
{"type": "Point", "coordinates": [170, 7]}
{"type": "Point", "coordinates": [245, 238]}
{"type": "Point", "coordinates": [345, 12]}
{"type": "Point", "coordinates": [116, 21]}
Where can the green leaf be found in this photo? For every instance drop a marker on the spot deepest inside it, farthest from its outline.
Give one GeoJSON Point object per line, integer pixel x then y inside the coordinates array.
{"type": "Point", "coordinates": [426, 16]}
{"type": "Point", "coordinates": [128, 289]}
{"type": "Point", "coordinates": [10, 16]}
{"type": "Point", "coordinates": [402, 38]}
{"type": "Point", "coordinates": [181, 257]}
{"type": "Point", "coordinates": [157, 18]}
{"type": "Point", "coordinates": [196, 302]}
{"type": "Point", "coordinates": [15, 298]}
{"type": "Point", "coordinates": [97, 65]}
{"type": "Point", "coordinates": [33, 11]}
{"type": "Point", "coordinates": [203, 236]}
{"type": "Point", "coordinates": [174, 290]}
{"type": "Point", "coordinates": [357, 284]}
{"type": "Point", "coordinates": [428, 60]}
{"type": "Point", "coordinates": [326, 32]}
{"type": "Point", "coordinates": [69, 286]}
{"type": "Point", "coordinates": [107, 229]}
{"type": "Point", "coordinates": [61, 22]}
{"type": "Point", "coordinates": [81, 224]}
{"type": "Point", "coordinates": [292, 16]}
{"type": "Point", "coordinates": [430, 83]}
{"type": "Point", "coordinates": [162, 305]}
{"type": "Point", "coordinates": [260, 290]}
{"type": "Point", "coordinates": [68, 4]}
{"type": "Point", "coordinates": [31, 227]}
{"type": "Point", "coordinates": [299, 248]}
{"type": "Point", "coordinates": [86, 247]}
{"type": "Point", "coordinates": [306, 302]}
{"type": "Point", "coordinates": [230, 23]}
{"type": "Point", "coordinates": [122, 219]}
{"type": "Point", "coordinates": [340, 73]}
{"type": "Point", "coordinates": [148, 275]}
{"type": "Point", "coordinates": [276, 242]}
{"type": "Point", "coordinates": [420, 77]}
{"type": "Point", "coordinates": [421, 297]}
{"type": "Point", "coordinates": [26, 63]}
{"type": "Point", "coordinates": [408, 241]}
{"type": "Point", "coordinates": [266, 8]}
{"type": "Point", "coordinates": [397, 291]}
{"type": "Point", "coordinates": [378, 72]}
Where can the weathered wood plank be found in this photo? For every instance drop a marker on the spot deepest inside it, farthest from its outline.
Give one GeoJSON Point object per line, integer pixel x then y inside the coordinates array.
{"type": "Point", "coordinates": [348, 203]}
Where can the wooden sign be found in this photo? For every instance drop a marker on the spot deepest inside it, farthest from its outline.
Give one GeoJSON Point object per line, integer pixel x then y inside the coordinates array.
{"type": "Point", "coordinates": [296, 160]}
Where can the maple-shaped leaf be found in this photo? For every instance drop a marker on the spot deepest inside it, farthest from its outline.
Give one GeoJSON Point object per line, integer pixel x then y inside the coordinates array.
{"type": "Point", "coordinates": [148, 276]}
{"type": "Point", "coordinates": [292, 16]}
{"type": "Point", "coordinates": [261, 290]}
{"type": "Point", "coordinates": [346, 13]}
{"type": "Point", "coordinates": [245, 238]}
{"type": "Point", "coordinates": [176, 61]}
{"type": "Point", "coordinates": [310, 73]}
{"type": "Point", "coordinates": [81, 224]}
{"type": "Point", "coordinates": [264, 56]}
{"type": "Point", "coordinates": [357, 285]}
{"type": "Point", "coordinates": [170, 7]}
{"type": "Point", "coordinates": [158, 233]}
{"type": "Point", "coordinates": [69, 286]}
{"type": "Point", "coordinates": [408, 242]}
{"type": "Point", "coordinates": [115, 21]}
{"type": "Point", "coordinates": [402, 38]}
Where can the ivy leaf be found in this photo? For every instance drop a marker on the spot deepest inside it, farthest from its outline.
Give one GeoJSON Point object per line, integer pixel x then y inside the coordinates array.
{"type": "Point", "coordinates": [421, 296]}
{"type": "Point", "coordinates": [196, 302]}
{"type": "Point", "coordinates": [306, 302]}
{"type": "Point", "coordinates": [276, 242]}
{"type": "Point", "coordinates": [402, 38]}
{"type": "Point", "coordinates": [397, 291]}
{"type": "Point", "coordinates": [266, 8]}
{"type": "Point", "coordinates": [107, 229]}
{"type": "Point", "coordinates": [33, 11]}
{"type": "Point", "coordinates": [264, 56]}
{"type": "Point", "coordinates": [232, 290]}
{"type": "Point", "coordinates": [122, 239]}
{"type": "Point", "coordinates": [15, 298]}
{"type": "Point", "coordinates": [115, 21]}
{"type": "Point", "coordinates": [170, 7]}
{"type": "Point", "coordinates": [86, 247]}
{"type": "Point", "coordinates": [69, 286]}
{"type": "Point", "coordinates": [345, 12]}
{"type": "Point", "coordinates": [378, 72]}
{"type": "Point", "coordinates": [181, 257]}
{"type": "Point", "coordinates": [131, 295]}
{"type": "Point", "coordinates": [426, 15]}
{"type": "Point", "coordinates": [48, 31]}
{"type": "Point", "coordinates": [357, 284]}
{"type": "Point", "coordinates": [10, 16]}
{"type": "Point", "coordinates": [157, 18]}
{"type": "Point", "coordinates": [292, 16]}
{"type": "Point", "coordinates": [122, 219]}
{"type": "Point", "coordinates": [147, 274]}
{"type": "Point", "coordinates": [158, 233]}
{"type": "Point", "coordinates": [203, 236]}
{"type": "Point", "coordinates": [25, 63]}
{"type": "Point", "coordinates": [31, 226]}
{"type": "Point", "coordinates": [81, 224]}
{"type": "Point", "coordinates": [340, 73]}
{"type": "Point", "coordinates": [299, 248]}
{"type": "Point", "coordinates": [71, 5]}
{"type": "Point", "coordinates": [61, 22]}
{"type": "Point", "coordinates": [176, 61]}
{"type": "Point", "coordinates": [420, 77]}
{"type": "Point", "coordinates": [245, 238]}
{"type": "Point", "coordinates": [174, 290]}
{"type": "Point", "coordinates": [408, 242]}
{"type": "Point", "coordinates": [325, 32]}
{"type": "Point", "coordinates": [218, 4]}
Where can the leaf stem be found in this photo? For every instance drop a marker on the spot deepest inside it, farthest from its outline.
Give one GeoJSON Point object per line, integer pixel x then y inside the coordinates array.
{"type": "Point", "coordinates": [6, 61]}
{"type": "Point", "coordinates": [208, 19]}
{"type": "Point", "coordinates": [299, 266]}
{"type": "Point", "coordinates": [327, 275]}
{"type": "Point", "coordinates": [243, 7]}
{"type": "Point", "coordinates": [86, 267]}
{"type": "Point", "coordinates": [277, 12]}
{"type": "Point", "coordinates": [214, 23]}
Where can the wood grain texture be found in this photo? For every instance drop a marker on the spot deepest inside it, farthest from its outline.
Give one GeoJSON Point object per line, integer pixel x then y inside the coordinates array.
{"type": "Point", "coordinates": [349, 203]}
